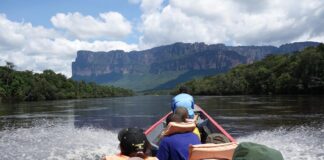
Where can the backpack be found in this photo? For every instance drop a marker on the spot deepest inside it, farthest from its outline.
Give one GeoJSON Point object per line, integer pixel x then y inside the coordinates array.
{"type": "Point", "coordinates": [253, 151]}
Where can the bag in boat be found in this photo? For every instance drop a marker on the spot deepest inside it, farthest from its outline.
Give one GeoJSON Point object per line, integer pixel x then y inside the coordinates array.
{"type": "Point", "coordinates": [217, 138]}
{"type": "Point", "coordinates": [253, 151]}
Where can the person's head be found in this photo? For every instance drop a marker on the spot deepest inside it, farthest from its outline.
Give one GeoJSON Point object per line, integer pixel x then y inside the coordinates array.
{"type": "Point", "coordinates": [133, 142]}
{"type": "Point", "coordinates": [183, 89]}
{"type": "Point", "coordinates": [182, 112]}
{"type": "Point", "coordinates": [169, 118]}
{"type": "Point", "coordinates": [173, 118]}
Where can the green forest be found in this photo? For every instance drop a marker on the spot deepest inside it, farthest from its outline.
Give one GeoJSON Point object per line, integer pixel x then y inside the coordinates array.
{"type": "Point", "coordinates": [294, 73]}
{"type": "Point", "coordinates": [29, 86]}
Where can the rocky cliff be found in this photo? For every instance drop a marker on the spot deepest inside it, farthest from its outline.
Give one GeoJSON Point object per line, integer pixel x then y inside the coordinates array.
{"type": "Point", "coordinates": [165, 66]}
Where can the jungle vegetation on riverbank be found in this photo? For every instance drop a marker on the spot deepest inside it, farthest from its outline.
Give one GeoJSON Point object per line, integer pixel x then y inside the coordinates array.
{"type": "Point", "coordinates": [295, 73]}
{"type": "Point", "coordinates": [29, 86]}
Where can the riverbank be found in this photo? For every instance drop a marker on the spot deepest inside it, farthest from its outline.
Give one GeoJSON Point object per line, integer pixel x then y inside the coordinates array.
{"type": "Point", "coordinates": [18, 86]}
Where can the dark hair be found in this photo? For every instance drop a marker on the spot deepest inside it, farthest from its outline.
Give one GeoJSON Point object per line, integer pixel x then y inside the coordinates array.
{"type": "Point", "coordinates": [133, 142]}
{"type": "Point", "coordinates": [183, 89]}
{"type": "Point", "coordinates": [182, 112]}
{"type": "Point", "coordinates": [176, 118]}
{"type": "Point", "coordinates": [169, 118]}
{"type": "Point", "coordinates": [173, 118]}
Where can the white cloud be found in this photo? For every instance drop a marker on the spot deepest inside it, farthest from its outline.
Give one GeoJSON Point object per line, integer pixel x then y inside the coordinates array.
{"type": "Point", "coordinates": [13, 35]}
{"type": "Point", "coordinates": [37, 48]}
{"type": "Point", "coordinates": [248, 22]}
{"type": "Point", "coordinates": [110, 25]}
{"type": "Point", "coordinates": [150, 6]}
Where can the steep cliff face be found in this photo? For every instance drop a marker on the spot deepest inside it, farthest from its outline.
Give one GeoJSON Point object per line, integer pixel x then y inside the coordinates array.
{"type": "Point", "coordinates": [159, 66]}
{"type": "Point", "coordinates": [98, 63]}
{"type": "Point", "coordinates": [208, 59]}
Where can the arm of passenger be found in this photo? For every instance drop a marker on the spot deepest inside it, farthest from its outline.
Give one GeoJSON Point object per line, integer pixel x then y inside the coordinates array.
{"type": "Point", "coordinates": [163, 152]}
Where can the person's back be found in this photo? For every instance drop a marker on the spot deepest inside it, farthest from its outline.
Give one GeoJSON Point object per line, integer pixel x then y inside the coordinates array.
{"type": "Point", "coordinates": [183, 100]}
{"type": "Point", "coordinates": [176, 146]}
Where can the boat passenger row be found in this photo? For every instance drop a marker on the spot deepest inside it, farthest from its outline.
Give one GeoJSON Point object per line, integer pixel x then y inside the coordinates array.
{"type": "Point", "coordinates": [134, 144]}
{"type": "Point", "coordinates": [187, 133]}
{"type": "Point", "coordinates": [196, 138]}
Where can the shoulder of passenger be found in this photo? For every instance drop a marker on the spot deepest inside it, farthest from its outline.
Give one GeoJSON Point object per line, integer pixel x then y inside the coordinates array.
{"type": "Point", "coordinates": [116, 157]}
{"type": "Point", "coordinates": [151, 158]}
{"type": "Point", "coordinates": [182, 127]}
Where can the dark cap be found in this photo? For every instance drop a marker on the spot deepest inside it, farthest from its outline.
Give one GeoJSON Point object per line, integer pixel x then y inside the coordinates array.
{"type": "Point", "coordinates": [132, 140]}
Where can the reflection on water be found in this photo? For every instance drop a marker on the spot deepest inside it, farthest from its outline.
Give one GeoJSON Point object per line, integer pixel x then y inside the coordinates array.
{"type": "Point", "coordinates": [124, 112]}
{"type": "Point", "coordinates": [241, 115]}
{"type": "Point", "coordinates": [109, 114]}
{"type": "Point", "coordinates": [86, 129]}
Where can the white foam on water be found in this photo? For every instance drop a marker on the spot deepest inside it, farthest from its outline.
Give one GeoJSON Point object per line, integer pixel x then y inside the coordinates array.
{"type": "Point", "coordinates": [57, 142]}
{"type": "Point", "coordinates": [300, 143]}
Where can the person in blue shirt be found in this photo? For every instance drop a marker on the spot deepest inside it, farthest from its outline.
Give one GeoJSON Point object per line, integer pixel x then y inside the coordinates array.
{"type": "Point", "coordinates": [176, 146]}
{"type": "Point", "coordinates": [183, 100]}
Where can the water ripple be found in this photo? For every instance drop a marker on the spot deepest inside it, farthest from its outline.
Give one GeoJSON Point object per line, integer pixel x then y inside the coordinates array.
{"type": "Point", "coordinates": [53, 141]}
{"type": "Point", "coordinates": [305, 142]}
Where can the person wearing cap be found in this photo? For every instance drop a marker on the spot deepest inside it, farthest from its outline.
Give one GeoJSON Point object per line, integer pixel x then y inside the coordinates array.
{"type": "Point", "coordinates": [133, 145]}
{"type": "Point", "coordinates": [183, 99]}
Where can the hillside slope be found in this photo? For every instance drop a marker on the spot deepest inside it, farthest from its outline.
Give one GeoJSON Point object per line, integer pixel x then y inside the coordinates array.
{"type": "Point", "coordinates": [299, 73]}
{"type": "Point", "coordinates": [165, 66]}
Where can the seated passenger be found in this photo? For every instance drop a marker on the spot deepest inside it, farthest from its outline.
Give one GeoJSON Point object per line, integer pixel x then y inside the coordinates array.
{"type": "Point", "coordinates": [176, 146]}
{"type": "Point", "coordinates": [169, 118]}
{"type": "Point", "coordinates": [133, 144]}
{"type": "Point", "coordinates": [183, 113]}
{"type": "Point", "coordinates": [183, 100]}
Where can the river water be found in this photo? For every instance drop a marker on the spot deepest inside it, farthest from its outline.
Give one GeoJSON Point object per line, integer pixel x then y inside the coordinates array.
{"type": "Point", "coordinates": [87, 129]}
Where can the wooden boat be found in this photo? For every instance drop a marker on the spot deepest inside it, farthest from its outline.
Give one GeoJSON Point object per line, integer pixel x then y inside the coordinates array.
{"type": "Point", "coordinates": [220, 145]}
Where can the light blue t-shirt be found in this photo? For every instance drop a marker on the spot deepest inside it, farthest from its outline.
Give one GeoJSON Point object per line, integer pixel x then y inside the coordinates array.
{"type": "Point", "coordinates": [184, 100]}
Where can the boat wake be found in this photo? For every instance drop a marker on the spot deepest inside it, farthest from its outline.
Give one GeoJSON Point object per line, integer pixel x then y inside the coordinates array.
{"type": "Point", "coordinates": [49, 140]}
{"type": "Point", "coordinates": [303, 142]}
{"type": "Point", "coordinates": [53, 141]}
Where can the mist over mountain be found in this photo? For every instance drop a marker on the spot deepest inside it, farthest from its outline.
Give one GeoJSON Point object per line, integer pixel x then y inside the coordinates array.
{"type": "Point", "coordinates": [165, 66]}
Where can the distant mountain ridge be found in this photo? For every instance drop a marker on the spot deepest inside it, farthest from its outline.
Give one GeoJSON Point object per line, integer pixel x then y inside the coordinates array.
{"type": "Point", "coordinates": [165, 66]}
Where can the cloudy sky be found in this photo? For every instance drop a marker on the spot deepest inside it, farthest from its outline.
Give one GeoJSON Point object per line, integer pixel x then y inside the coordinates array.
{"type": "Point", "coordinates": [45, 34]}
